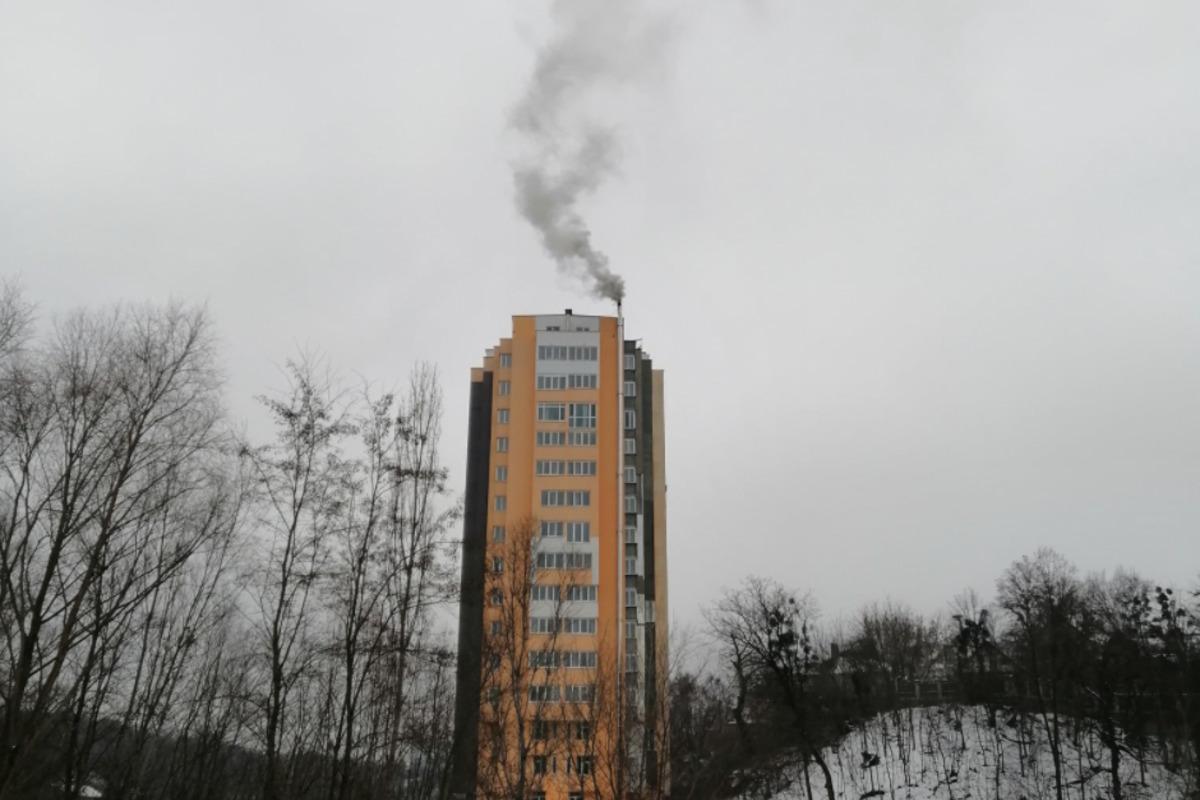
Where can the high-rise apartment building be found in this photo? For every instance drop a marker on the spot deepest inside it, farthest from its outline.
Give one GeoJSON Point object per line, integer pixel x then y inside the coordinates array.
{"type": "Point", "coordinates": [563, 619]}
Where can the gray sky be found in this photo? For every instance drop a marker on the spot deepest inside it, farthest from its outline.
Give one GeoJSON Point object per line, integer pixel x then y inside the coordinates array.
{"type": "Point", "coordinates": [924, 277]}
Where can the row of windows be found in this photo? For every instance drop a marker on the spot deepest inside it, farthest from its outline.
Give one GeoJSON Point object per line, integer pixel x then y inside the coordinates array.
{"type": "Point", "coordinates": [566, 468]}
{"type": "Point", "coordinates": [577, 438]}
{"type": "Point", "coordinates": [558, 382]}
{"type": "Point", "coordinates": [582, 625]}
{"type": "Point", "coordinates": [575, 531]}
{"type": "Point", "coordinates": [564, 497]}
{"type": "Point", "coordinates": [554, 592]}
{"type": "Point", "coordinates": [583, 438]}
{"type": "Point", "coordinates": [560, 352]}
{"type": "Point", "coordinates": [545, 765]}
{"type": "Point", "coordinates": [568, 659]}
{"type": "Point", "coordinates": [563, 561]}
{"type": "Point", "coordinates": [544, 729]}
{"type": "Point", "coordinates": [551, 438]}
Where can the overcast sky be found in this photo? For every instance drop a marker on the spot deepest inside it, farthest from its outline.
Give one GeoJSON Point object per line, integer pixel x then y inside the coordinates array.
{"type": "Point", "coordinates": [924, 277]}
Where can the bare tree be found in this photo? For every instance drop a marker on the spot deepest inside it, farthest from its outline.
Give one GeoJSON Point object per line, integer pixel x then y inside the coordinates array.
{"type": "Point", "coordinates": [109, 431]}
{"type": "Point", "coordinates": [1042, 595]}
{"type": "Point", "coordinates": [301, 481]}
{"type": "Point", "coordinates": [766, 634]}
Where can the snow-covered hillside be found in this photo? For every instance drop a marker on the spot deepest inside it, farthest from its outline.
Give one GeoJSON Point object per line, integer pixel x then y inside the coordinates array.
{"type": "Point", "coordinates": [952, 753]}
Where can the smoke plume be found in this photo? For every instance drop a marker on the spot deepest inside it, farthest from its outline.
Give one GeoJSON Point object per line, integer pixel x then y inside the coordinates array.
{"type": "Point", "coordinates": [596, 45]}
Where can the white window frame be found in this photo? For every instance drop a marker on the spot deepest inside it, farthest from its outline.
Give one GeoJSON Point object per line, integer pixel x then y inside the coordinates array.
{"type": "Point", "coordinates": [504, 388]}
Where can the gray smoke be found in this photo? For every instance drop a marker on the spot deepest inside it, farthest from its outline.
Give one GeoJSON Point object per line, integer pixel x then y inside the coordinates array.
{"type": "Point", "coordinates": [596, 44]}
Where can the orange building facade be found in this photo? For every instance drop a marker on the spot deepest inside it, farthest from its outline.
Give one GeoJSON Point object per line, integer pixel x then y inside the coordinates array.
{"type": "Point", "coordinates": [563, 619]}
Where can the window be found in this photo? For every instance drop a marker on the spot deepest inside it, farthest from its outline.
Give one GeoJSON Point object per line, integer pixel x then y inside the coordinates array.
{"type": "Point", "coordinates": [542, 592]}
{"type": "Point", "coordinates": [575, 796]}
{"type": "Point", "coordinates": [630, 597]}
{"type": "Point", "coordinates": [580, 593]}
{"type": "Point", "coordinates": [550, 468]}
{"type": "Point", "coordinates": [552, 352]}
{"type": "Point", "coordinates": [631, 474]}
{"type": "Point", "coordinates": [501, 444]}
{"type": "Point", "coordinates": [631, 551]}
{"type": "Point", "coordinates": [504, 388]}
{"type": "Point", "coordinates": [580, 692]}
{"type": "Point", "coordinates": [630, 389]}
{"type": "Point", "coordinates": [583, 415]}
{"type": "Point", "coordinates": [582, 353]}
{"type": "Point", "coordinates": [630, 445]}
{"type": "Point", "coordinates": [551, 382]}
{"type": "Point", "coordinates": [630, 361]}
{"type": "Point", "coordinates": [563, 561]}
{"type": "Point", "coordinates": [501, 474]}
{"type": "Point", "coordinates": [552, 529]}
{"type": "Point", "coordinates": [581, 381]}
{"type": "Point", "coordinates": [581, 765]}
{"type": "Point", "coordinates": [497, 627]}
{"type": "Point", "coordinates": [542, 729]}
{"type": "Point", "coordinates": [630, 629]}
{"type": "Point", "coordinates": [631, 536]}
{"type": "Point", "coordinates": [551, 438]}
{"type": "Point", "coordinates": [579, 532]}
{"type": "Point", "coordinates": [506, 359]}
{"type": "Point", "coordinates": [566, 497]}
{"type": "Point", "coordinates": [502, 416]}
{"type": "Point", "coordinates": [578, 659]}
{"type": "Point", "coordinates": [497, 533]}
{"type": "Point", "coordinates": [631, 504]}
{"type": "Point", "coordinates": [541, 693]}
{"type": "Point", "coordinates": [630, 419]}
{"type": "Point", "coordinates": [501, 502]}
{"type": "Point", "coordinates": [631, 662]}
{"type": "Point", "coordinates": [631, 566]}
{"type": "Point", "coordinates": [583, 731]}
{"type": "Point", "coordinates": [583, 438]}
{"type": "Point", "coordinates": [551, 412]}
{"type": "Point", "coordinates": [581, 467]}
{"type": "Point", "coordinates": [497, 597]}
{"type": "Point", "coordinates": [542, 625]}
{"type": "Point", "coordinates": [579, 625]}
{"type": "Point", "coordinates": [497, 564]}
{"type": "Point", "coordinates": [539, 762]}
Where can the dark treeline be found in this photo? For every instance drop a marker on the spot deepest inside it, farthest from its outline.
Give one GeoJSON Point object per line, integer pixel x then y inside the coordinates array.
{"type": "Point", "coordinates": [188, 614]}
{"type": "Point", "coordinates": [1103, 669]}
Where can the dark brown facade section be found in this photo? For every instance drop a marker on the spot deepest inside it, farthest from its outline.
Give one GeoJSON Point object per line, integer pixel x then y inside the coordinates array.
{"type": "Point", "coordinates": [465, 750]}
